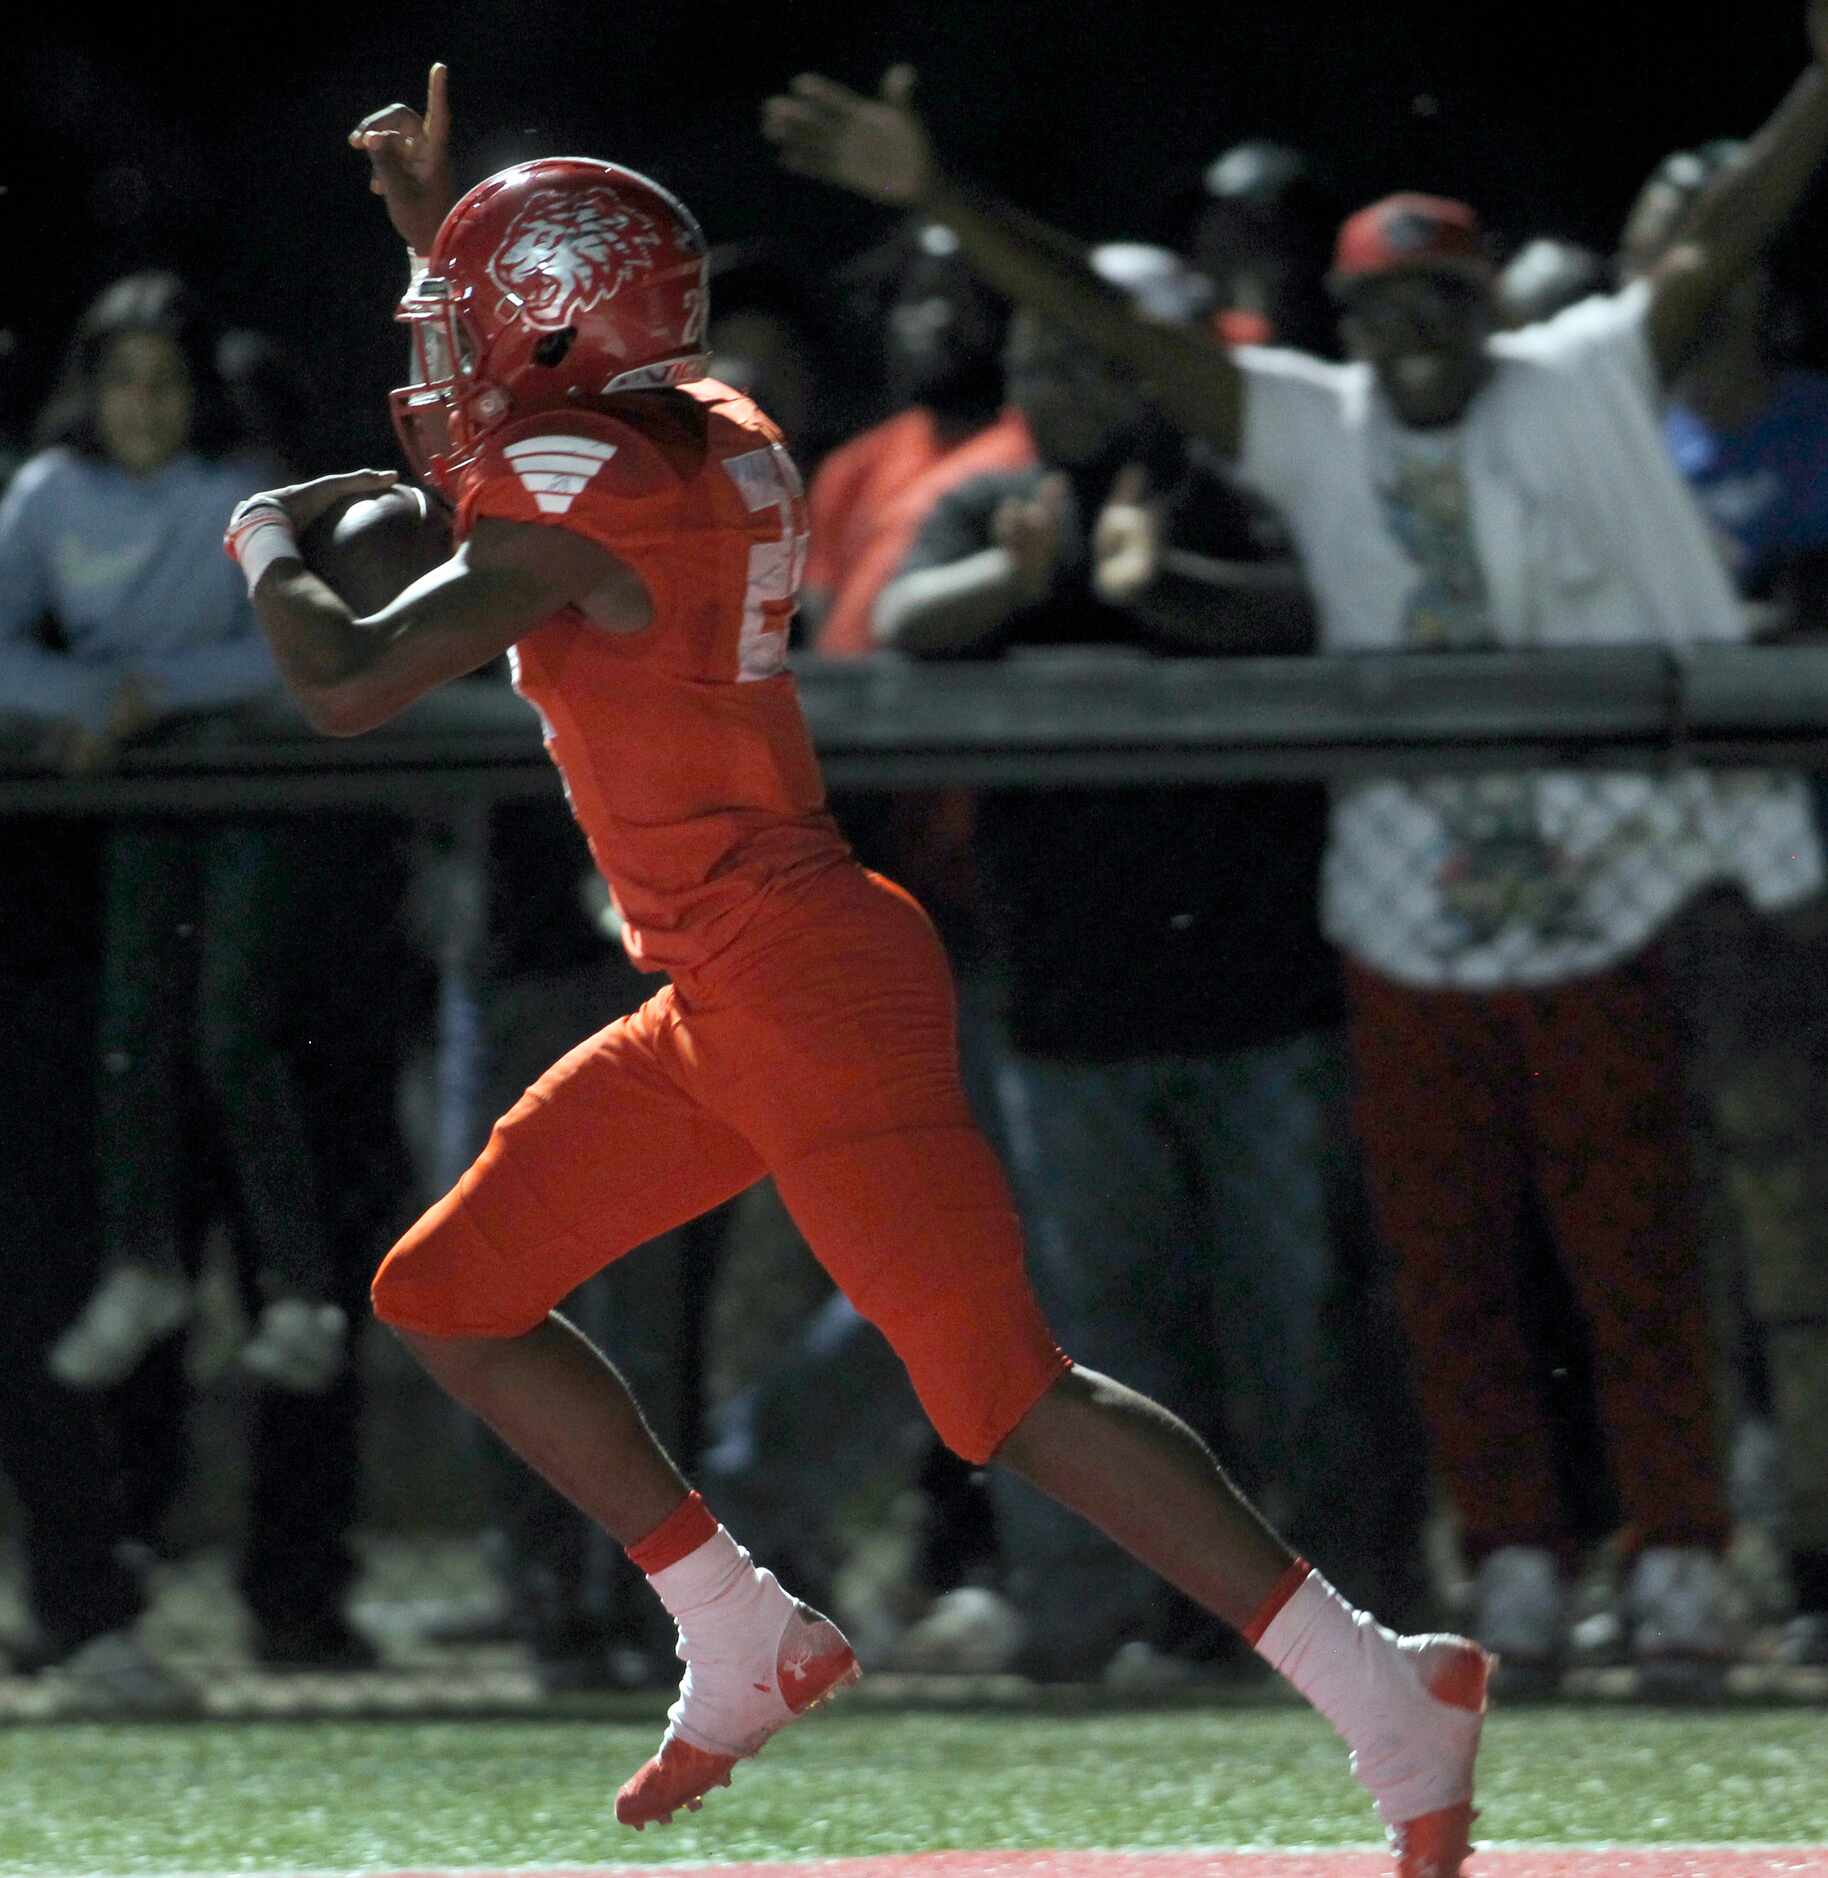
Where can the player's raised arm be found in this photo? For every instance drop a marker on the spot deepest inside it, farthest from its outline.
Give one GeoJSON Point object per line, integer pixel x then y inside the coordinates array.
{"type": "Point", "coordinates": [878, 147]}
{"type": "Point", "coordinates": [349, 674]}
{"type": "Point", "coordinates": [409, 154]}
{"type": "Point", "coordinates": [1736, 217]}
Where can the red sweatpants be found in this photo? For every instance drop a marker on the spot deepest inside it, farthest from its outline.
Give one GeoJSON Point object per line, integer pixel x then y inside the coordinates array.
{"type": "Point", "coordinates": [1474, 1108]}
{"type": "Point", "coordinates": [825, 1055]}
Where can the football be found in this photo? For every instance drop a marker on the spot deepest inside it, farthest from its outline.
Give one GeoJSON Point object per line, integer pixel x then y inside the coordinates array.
{"type": "Point", "coordinates": [367, 549]}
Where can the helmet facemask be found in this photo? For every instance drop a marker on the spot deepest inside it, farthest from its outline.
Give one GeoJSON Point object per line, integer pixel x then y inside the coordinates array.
{"type": "Point", "coordinates": [441, 416]}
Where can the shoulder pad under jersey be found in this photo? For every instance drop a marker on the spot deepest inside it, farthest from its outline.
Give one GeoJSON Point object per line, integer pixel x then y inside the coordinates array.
{"type": "Point", "coordinates": [733, 407]}
{"type": "Point", "coordinates": [564, 463]}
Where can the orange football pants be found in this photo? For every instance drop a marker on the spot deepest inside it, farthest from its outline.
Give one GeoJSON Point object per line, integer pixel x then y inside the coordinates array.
{"type": "Point", "coordinates": [825, 1055]}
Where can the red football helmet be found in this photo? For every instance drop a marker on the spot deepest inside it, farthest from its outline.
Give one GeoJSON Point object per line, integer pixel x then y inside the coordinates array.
{"type": "Point", "coordinates": [552, 282]}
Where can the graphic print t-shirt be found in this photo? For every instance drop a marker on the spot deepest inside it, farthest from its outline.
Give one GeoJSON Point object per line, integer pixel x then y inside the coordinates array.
{"type": "Point", "coordinates": [1494, 871]}
{"type": "Point", "coordinates": [1549, 516]}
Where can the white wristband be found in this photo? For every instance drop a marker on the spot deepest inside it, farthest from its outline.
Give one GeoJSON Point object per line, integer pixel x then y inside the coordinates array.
{"type": "Point", "coordinates": [259, 534]}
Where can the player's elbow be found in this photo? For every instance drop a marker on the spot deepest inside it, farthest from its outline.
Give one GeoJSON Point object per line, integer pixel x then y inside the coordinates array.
{"type": "Point", "coordinates": [344, 710]}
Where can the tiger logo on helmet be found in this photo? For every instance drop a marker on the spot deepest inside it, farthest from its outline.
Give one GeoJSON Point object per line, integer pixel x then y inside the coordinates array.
{"type": "Point", "coordinates": [565, 253]}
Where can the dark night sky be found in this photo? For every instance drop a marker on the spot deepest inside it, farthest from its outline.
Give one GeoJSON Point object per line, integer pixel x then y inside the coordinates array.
{"type": "Point", "coordinates": [217, 147]}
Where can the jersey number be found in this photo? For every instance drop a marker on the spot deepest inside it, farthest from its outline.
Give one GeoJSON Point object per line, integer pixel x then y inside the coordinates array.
{"type": "Point", "coordinates": [767, 479]}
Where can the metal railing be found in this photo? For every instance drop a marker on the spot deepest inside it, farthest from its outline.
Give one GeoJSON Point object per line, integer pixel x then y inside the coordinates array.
{"type": "Point", "coordinates": [1041, 720]}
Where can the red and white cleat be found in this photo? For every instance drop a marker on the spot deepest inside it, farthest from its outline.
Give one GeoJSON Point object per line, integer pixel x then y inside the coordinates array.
{"type": "Point", "coordinates": [1435, 1846]}
{"type": "Point", "coordinates": [1455, 1673]}
{"type": "Point", "coordinates": [726, 1712]}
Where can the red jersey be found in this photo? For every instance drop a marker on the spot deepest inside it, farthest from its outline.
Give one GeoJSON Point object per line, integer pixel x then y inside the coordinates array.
{"type": "Point", "coordinates": [869, 500]}
{"type": "Point", "coordinates": [684, 752]}
{"type": "Point", "coordinates": [854, 485]}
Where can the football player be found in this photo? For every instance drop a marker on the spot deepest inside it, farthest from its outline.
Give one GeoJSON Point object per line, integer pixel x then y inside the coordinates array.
{"type": "Point", "coordinates": [633, 535]}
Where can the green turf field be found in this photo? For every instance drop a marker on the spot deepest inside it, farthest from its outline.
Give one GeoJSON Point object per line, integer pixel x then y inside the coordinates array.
{"type": "Point", "coordinates": [333, 1796]}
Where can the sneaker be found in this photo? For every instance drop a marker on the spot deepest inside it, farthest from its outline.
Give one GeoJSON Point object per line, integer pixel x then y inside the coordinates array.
{"type": "Point", "coordinates": [1682, 1632]}
{"type": "Point", "coordinates": [726, 1712]}
{"type": "Point", "coordinates": [1520, 1612]}
{"type": "Point", "coordinates": [1805, 1641]}
{"type": "Point", "coordinates": [1435, 1842]}
{"type": "Point", "coordinates": [116, 1673]}
{"type": "Point", "coordinates": [1140, 1668]}
{"type": "Point", "coordinates": [972, 1631]}
{"type": "Point", "coordinates": [300, 1345]}
{"type": "Point", "coordinates": [133, 1308]}
{"type": "Point", "coordinates": [470, 1623]}
{"type": "Point", "coordinates": [1598, 1641]}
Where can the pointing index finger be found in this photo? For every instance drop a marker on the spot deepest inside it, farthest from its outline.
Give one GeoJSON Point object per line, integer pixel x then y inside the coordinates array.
{"type": "Point", "coordinates": [437, 105]}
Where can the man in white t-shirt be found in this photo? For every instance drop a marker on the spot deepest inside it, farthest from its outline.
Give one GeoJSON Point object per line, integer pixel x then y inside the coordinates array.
{"type": "Point", "coordinates": [1460, 489]}
{"type": "Point", "coordinates": [1454, 487]}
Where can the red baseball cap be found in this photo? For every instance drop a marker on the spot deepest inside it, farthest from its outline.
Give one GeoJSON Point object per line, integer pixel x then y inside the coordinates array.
{"type": "Point", "coordinates": [1410, 233]}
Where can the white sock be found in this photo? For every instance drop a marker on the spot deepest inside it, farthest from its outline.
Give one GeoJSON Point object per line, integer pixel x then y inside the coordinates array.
{"type": "Point", "coordinates": [1412, 1752]}
{"type": "Point", "coordinates": [1317, 1641]}
{"type": "Point", "coordinates": [731, 1615]}
{"type": "Point", "coordinates": [704, 1578]}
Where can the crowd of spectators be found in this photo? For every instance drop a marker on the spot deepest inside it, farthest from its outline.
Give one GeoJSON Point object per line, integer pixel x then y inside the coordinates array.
{"type": "Point", "coordinates": [1447, 1150]}
{"type": "Point", "coordinates": [202, 1071]}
